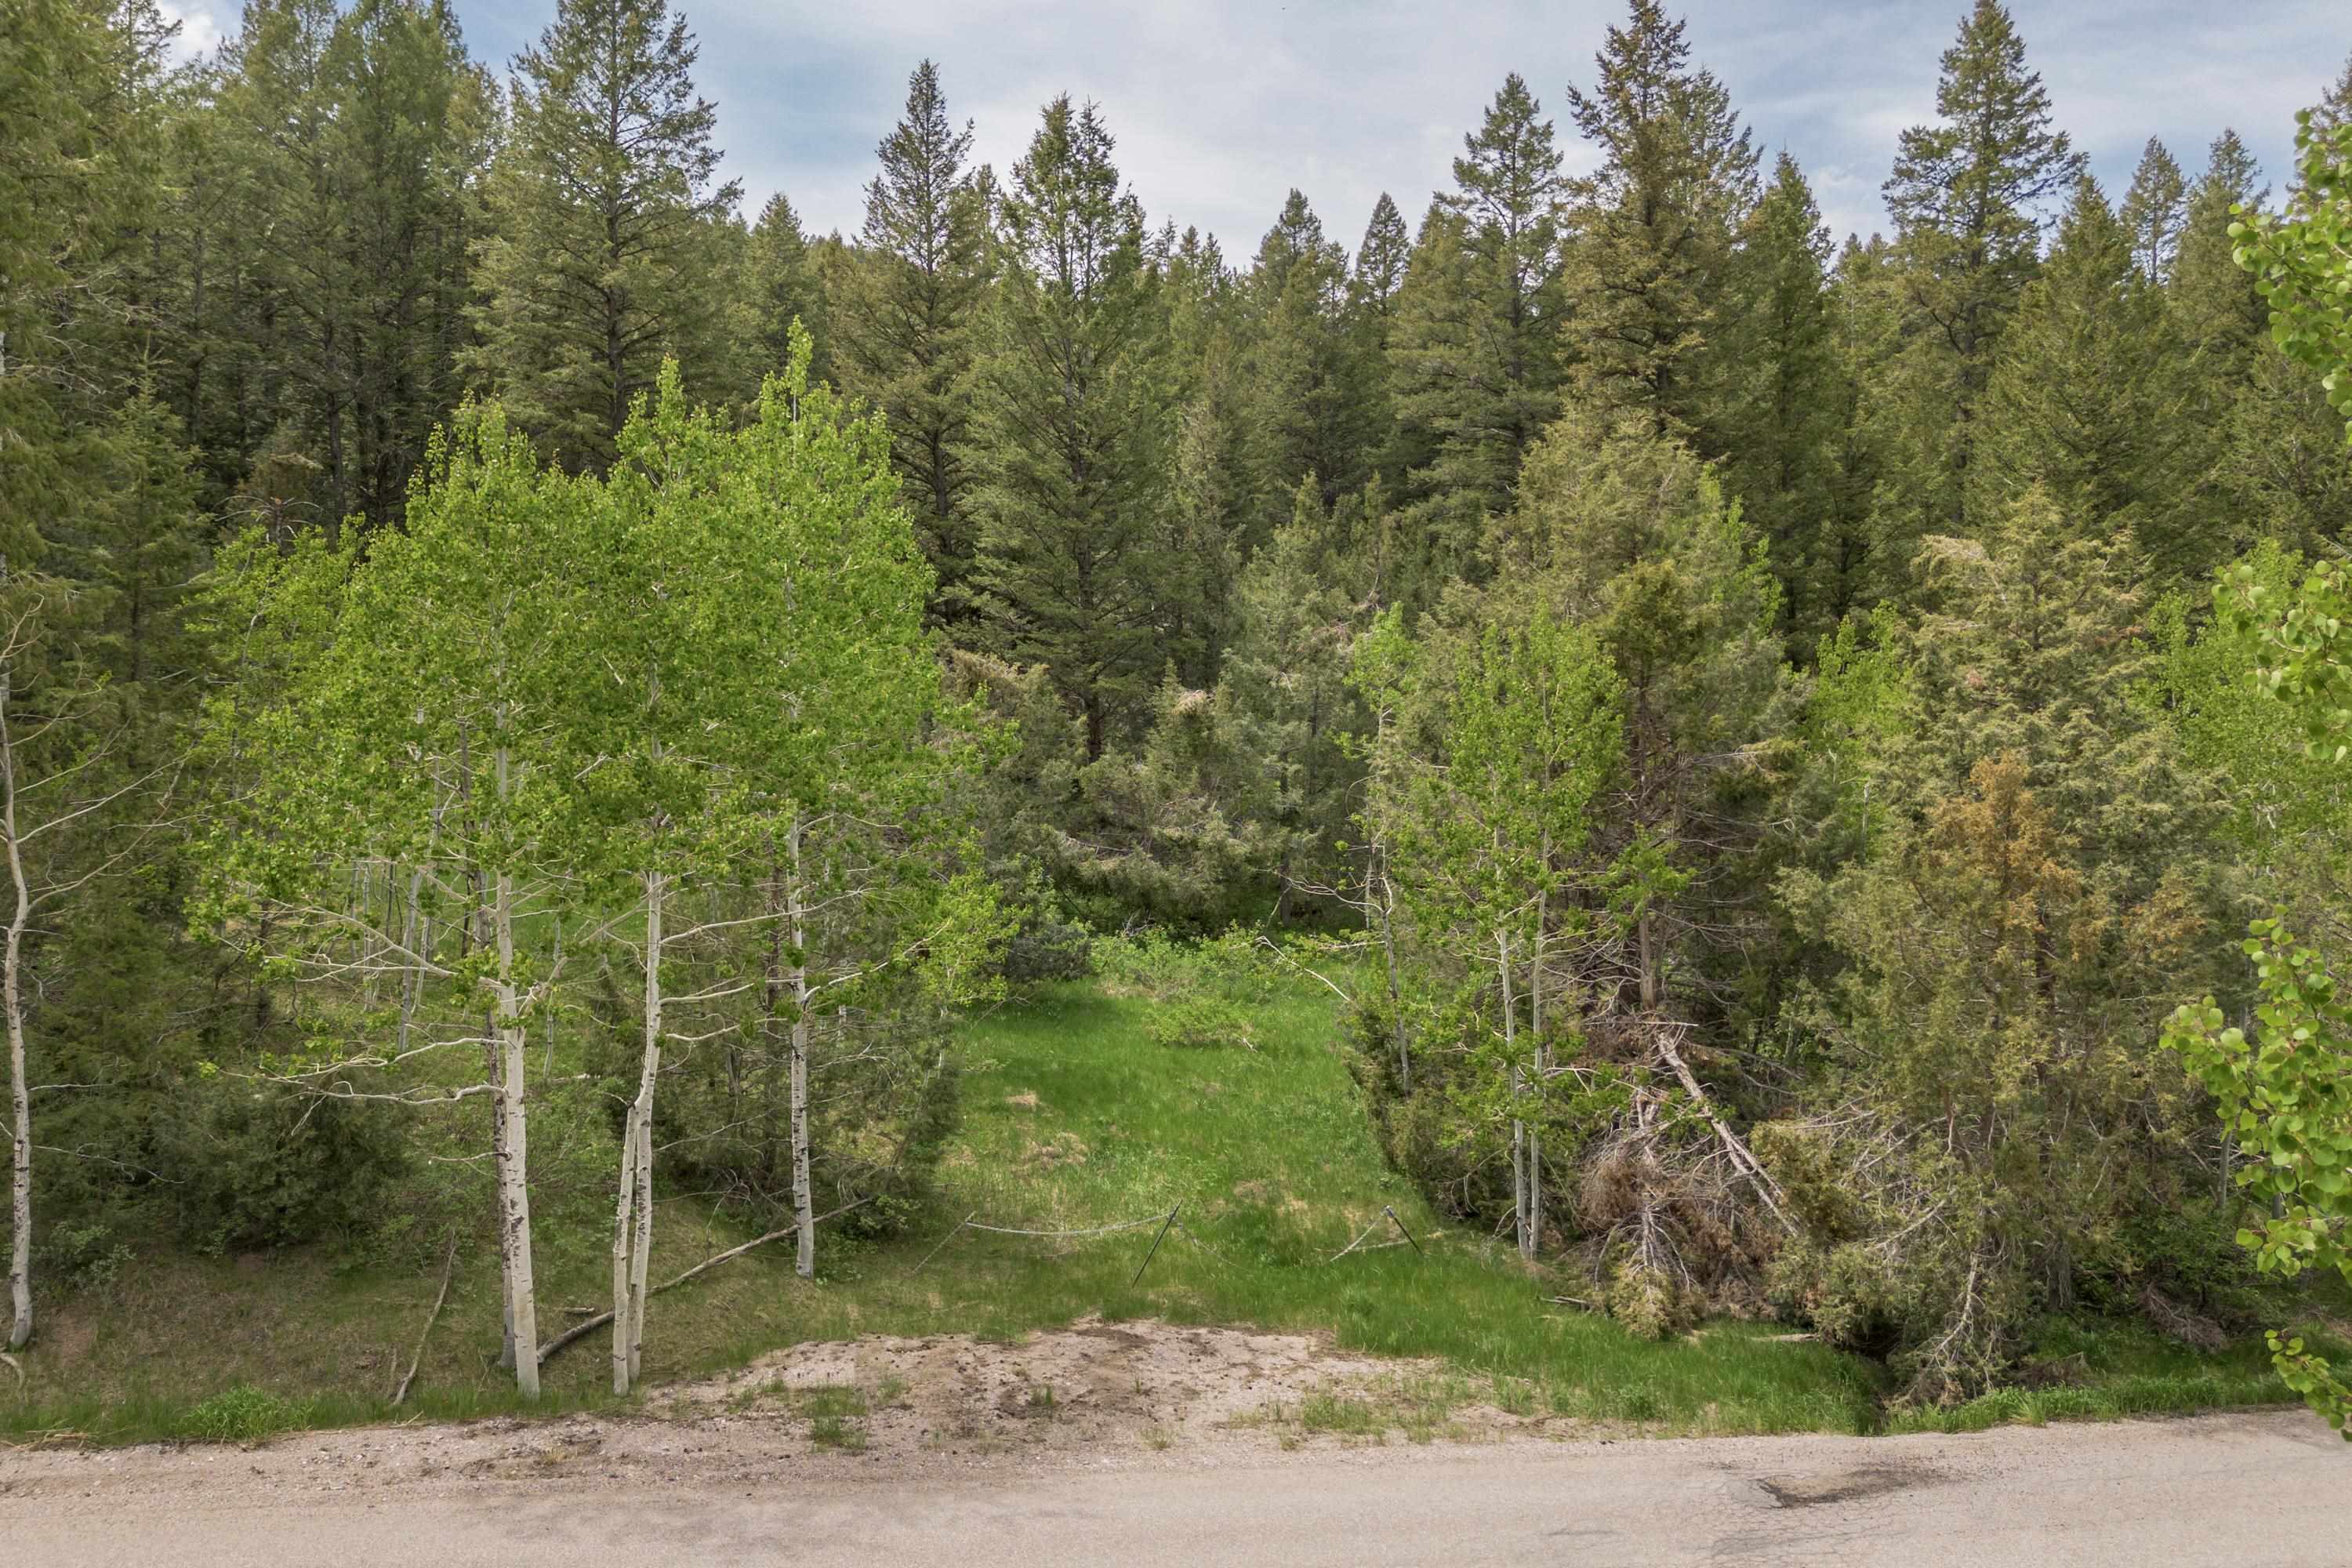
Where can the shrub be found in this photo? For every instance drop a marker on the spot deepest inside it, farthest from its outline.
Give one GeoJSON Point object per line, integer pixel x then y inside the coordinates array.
{"type": "Point", "coordinates": [83, 1256]}
{"type": "Point", "coordinates": [266, 1166]}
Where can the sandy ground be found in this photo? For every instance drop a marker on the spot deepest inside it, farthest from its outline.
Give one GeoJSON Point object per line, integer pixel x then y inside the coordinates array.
{"type": "Point", "coordinates": [1163, 1446]}
{"type": "Point", "coordinates": [1146, 1392]}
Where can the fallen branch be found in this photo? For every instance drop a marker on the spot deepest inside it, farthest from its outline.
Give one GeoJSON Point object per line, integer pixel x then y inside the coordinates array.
{"type": "Point", "coordinates": [601, 1319]}
{"type": "Point", "coordinates": [1746, 1162]}
{"type": "Point", "coordinates": [2179, 1323]}
{"type": "Point", "coordinates": [448, 1266]}
{"type": "Point", "coordinates": [19, 1371]}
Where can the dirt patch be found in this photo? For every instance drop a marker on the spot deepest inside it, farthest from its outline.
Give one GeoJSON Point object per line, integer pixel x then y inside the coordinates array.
{"type": "Point", "coordinates": [1090, 1386]}
{"type": "Point", "coordinates": [1062, 1149]}
{"type": "Point", "coordinates": [1142, 1392]}
{"type": "Point", "coordinates": [1025, 1101]}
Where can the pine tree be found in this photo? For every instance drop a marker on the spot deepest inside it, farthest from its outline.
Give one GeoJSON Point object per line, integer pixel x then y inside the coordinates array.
{"type": "Point", "coordinates": [1378, 270]}
{"type": "Point", "coordinates": [1313, 392]}
{"type": "Point", "coordinates": [1781, 399]}
{"type": "Point", "coordinates": [2219, 312]}
{"type": "Point", "coordinates": [1654, 226]}
{"type": "Point", "coordinates": [605, 213]}
{"type": "Point", "coordinates": [1966, 195]}
{"type": "Point", "coordinates": [903, 329]}
{"type": "Point", "coordinates": [2334, 105]}
{"type": "Point", "coordinates": [785, 287]}
{"type": "Point", "coordinates": [2087, 400]}
{"type": "Point", "coordinates": [2266, 451]}
{"type": "Point", "coordinates": [1284, 677]}
{"type": "Point", "coordinates": [1069, 438]}
{"type": "Point", "coordinates": [2041, 876]}
{"type": "Point", "coordinates": [2155, 211]}
{"type": "Point", "coordinates": [1476, 350]}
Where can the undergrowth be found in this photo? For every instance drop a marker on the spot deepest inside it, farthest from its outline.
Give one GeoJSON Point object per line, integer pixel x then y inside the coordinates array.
{"type": "Point", "coordinates": [1075, 1116]}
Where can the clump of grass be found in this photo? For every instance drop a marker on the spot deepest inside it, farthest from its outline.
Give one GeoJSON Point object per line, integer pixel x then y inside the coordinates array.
{"type": "Point", "coordinates": [1342, 1415]}
{"type": "Point", "coordinates": [241, 1414]}
{"type": "Point", "coordinates": [837, 1417]}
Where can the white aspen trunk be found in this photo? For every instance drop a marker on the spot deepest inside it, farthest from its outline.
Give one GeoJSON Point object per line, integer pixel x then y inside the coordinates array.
{"type": "Point", "coordinates": [514, 1149]}
{"type": "Point", "coordinates": [803, 1201]}
{"type": "Point", "coordinates": [623, 1213]}
{"type": "Point", "coordinates": [1543, 1061]}
{"type": "Point", "coordinates": [412, 937]}
{"type": "Point", "coordinates": [642, 1260]}
{"type": "Point", "coordinates": [1383, 907]}
{"type": "Point", "coordinates": [637, 1164]}
{"type": "Point", "coordinates": [20, 1093]}
{"type": "Point", "coordinates": [1520, 1215]}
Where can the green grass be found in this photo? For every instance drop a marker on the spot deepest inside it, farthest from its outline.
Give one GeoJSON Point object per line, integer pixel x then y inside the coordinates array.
{"type": "Point", "coordinates": [1074, 1119]}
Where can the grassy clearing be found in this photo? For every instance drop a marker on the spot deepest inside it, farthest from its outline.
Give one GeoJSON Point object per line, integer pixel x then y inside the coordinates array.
{"type": "Point", "coordinates": [1074, 1119]}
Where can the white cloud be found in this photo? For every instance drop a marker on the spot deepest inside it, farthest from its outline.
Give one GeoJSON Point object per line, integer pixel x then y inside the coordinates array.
{"type": "Point", "coordinates": [199, 34]}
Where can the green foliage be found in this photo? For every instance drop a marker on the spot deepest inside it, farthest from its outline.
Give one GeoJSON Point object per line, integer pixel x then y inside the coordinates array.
{"type": "Point", "coordinates": [606, 229]}
{"type": "Point", "coordinates": [2036, 873]}
{"type": "Point", "coordinates": [2300, 260]}
{"type": "Point", "coordinates": [241, 1414]}
{"type": "Point", "coordinates": [1966, 195]}
{"type": "Point", "coordinates": [2286, 1095]}
{"type": "Point", "coordinates": [907, 315]}
{"type": "Point", "coordinates": [1655, 225]}
{"type": "Point", "coordinates": [260, 1166]}
{"type": "Point", "coordinates": [1068, 441]}
{"type": "Point", "coordinates": [1476, 349]}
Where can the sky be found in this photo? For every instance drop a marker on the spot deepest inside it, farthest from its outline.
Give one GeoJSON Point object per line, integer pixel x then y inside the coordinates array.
{"type": "Point", "coordinates": [1220, 107]}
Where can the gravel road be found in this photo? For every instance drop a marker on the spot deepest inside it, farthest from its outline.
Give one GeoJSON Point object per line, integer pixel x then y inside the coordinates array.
{"type": "Point", "coordinates": [2263, 1490]}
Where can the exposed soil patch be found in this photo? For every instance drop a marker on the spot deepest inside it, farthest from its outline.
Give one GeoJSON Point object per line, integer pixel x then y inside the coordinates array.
{"type": "Point", "coordinates": [1143, 1392]}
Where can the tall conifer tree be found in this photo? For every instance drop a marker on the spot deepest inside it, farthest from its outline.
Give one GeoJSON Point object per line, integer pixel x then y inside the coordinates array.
{"type": "Point", "coordinates": [1782, 397]}
{"type": "Point", "coordinates": [606, 213]}
{"type": "Point", "coordinates": [1967, 195]}
{"type": "Point", "coordinates": [2155, 210]}
{"type": "Point", "coordinates": [1070, 435]}
{"type": "Point", "coordinates": [1654, 226]}
{"type": "Point", "coordinates": [1475, 353]}
{"type": "Point", "coordinates": [903, 326]}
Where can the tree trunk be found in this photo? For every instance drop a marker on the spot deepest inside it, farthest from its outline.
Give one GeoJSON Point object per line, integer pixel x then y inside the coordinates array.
{"type": "Point", "coordinates": [20, 1094]}
{"type": "Point", "coordinates": [633, 1223]}
{"type": "Point", "coordinates": [1543, 1062]}
{"type": "Point", "coordinates": [803, 1201]}
{"type": "Point", "coordinates": [512, 1152]}
{"type": "Point", "coordinates": [1521, 1218]}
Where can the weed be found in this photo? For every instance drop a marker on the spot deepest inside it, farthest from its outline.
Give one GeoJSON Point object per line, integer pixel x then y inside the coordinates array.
{"type": "Point", "coordinates": [241, 1414]}
{"type": "Point", "coordinates": [836, 1414]}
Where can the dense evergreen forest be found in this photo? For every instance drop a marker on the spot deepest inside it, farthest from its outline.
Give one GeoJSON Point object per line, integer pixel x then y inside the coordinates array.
{"type": "Point", "coordinates": [515, 669]}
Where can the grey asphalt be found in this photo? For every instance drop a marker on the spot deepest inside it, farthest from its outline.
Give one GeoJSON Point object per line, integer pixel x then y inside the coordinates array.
{"type": "Point", "coordinates": [2260, 1490]}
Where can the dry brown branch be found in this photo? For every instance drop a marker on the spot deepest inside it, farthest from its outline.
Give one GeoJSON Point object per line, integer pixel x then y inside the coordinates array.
{"type": "Point", "coordinates": [448, 1266]}
{"type": "Point", "coordinates": [601, 1319]}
